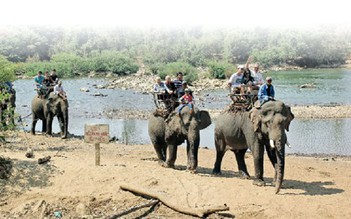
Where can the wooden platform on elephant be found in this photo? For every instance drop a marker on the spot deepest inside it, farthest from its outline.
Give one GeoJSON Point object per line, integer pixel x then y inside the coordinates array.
{"type": "Point", "coordinates": [241, 102]}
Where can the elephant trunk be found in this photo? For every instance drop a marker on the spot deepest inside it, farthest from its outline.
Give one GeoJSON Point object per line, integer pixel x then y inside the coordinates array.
{"type": "Point", "coordinates": [279, 168]}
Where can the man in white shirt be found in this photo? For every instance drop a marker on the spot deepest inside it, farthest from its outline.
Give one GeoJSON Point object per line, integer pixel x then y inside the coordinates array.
{"type": "Point", "coordinates": [58, 89]}
{"type": "Point", "coordinates": [235, 80]}
{"type": "Point", "coordinates": [255, 73]}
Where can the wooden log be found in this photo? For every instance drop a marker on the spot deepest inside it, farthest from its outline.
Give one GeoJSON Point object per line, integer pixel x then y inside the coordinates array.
{"type": "Point", "coordinates": [189, 211]}
{"type": "Point", "coordinates": [134, 208]}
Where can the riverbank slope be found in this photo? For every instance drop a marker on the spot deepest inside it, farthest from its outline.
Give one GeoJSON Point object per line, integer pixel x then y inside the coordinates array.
{"type": "Point", "coordinates": [72, 185]}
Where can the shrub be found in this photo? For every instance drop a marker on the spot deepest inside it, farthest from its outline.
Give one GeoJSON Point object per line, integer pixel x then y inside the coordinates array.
{"type": "Point", "coordinates": [189, 72]}
{"type": "Point", "coordinates": [7, 70]}
{"type": "Point", "coordinates": [220, 70]}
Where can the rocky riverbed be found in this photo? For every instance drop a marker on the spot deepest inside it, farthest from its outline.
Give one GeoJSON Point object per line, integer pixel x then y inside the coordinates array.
{"type": "Point", "coordinates": [143, 83]}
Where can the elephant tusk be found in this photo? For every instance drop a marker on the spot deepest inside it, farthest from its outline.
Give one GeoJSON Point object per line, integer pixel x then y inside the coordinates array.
{"type": "Point", "coordinates": [271, 143]}
{"type": "Point", "coordinates": [288, 144]}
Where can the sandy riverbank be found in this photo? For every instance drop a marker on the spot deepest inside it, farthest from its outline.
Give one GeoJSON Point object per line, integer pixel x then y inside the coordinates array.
{"type": "Point", "coordinates": [71, 184]}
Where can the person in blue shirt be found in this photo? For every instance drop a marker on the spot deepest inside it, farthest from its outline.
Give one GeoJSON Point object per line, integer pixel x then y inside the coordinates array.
{"type": "Point", "coordinates": [266, 91]}
{"type": "Point", "coordinates": [39, 83]}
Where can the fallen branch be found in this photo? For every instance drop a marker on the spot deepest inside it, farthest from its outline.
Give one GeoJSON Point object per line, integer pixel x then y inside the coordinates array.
{"type": "Point", "coordinates": [189, 211]}
{"type": "Point", "coordinates": [152, 203]}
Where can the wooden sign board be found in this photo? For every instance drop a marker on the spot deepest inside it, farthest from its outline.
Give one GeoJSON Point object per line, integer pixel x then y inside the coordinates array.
{"type": "Point", "coordinates": [96, 133]}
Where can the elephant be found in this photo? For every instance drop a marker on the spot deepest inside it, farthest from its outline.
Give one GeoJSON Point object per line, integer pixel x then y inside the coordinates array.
{"type": "Point", "coordinates": [46, 109]}
{"type": "Point", "coordinates": [7, 107]}
{"type": "Point", "coordinates": [256, 129]}
{"type": "Point", "coordinates": [167, 134]}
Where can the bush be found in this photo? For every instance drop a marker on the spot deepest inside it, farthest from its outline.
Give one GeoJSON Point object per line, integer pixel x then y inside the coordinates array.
{"type": "Point", "coordinates": [116, 62]}
{"type": "Point", "coordinates": [220, 70]}
{"type": "Point", "coordinates": [189, 72]}
{"type": "Point", "coordinates": [7, 70]}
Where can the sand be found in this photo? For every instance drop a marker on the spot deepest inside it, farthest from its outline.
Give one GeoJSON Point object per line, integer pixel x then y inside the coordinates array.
{"type": "Point", "coordinates": [71, 184]}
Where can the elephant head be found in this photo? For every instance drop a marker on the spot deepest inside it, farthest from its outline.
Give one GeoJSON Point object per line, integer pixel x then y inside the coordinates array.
{"type": "Point", "coordinates": [270, 122]}
{"type": "Point", "coordinates": [167, 134]}
{"type": "Point", "coordinates": [57, 106]}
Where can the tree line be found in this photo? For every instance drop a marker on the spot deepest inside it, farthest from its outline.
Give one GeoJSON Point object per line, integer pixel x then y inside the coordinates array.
{"type": "Point", "coordinates": [121, 50]}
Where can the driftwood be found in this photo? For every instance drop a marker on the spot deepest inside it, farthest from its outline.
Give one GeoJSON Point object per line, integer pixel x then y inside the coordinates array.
{"type": "Point", "coordinates": [189, 211]}
{"type": "Point", "coordinates": [152, 203]}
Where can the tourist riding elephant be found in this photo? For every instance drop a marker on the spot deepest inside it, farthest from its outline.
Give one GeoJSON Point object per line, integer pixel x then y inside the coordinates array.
{"type": "Point", "coordinates": [168, 134]}
{"type": "Point", "coordinates": [255, 129]}
{"type": "Point", "coordinates": [46, 109]}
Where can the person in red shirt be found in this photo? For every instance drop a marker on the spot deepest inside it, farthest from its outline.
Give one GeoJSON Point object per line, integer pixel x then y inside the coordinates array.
{"type": "Point", "coordinates": [186, 100]}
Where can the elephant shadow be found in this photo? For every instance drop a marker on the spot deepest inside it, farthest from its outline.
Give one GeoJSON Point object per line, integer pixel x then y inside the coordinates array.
{"type": "Point", "coordinates": [311, 188]}
{"type": "Point", "coordinates": [307, 188]}
{"type": "Point", "coordinates": [207, 172]}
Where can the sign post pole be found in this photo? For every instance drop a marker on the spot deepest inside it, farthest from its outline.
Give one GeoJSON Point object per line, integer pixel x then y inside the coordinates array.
{"type": "Point", "coordinates": [96, 133]}
{"type": "Point", "coordinates": [97, 154]}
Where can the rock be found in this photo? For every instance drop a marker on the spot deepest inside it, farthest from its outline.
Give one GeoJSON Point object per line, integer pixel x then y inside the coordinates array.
{"type": "Point", "coordinates": [99, 95]}
{"type": "Point", "coordinates": [110, 75]}
{"type": "Point", "coordinates": [82, 210]}
{"type": "Point", "coordinates": [29, 153]}
{"type": "Point", "coordinates": [84, 89]}
{"type": "Point", "coordinates": [99, 86]}
{"type": "Point", "coordinates": [309, 85]}
{"type": "Point", "coordinates": [44, 160]}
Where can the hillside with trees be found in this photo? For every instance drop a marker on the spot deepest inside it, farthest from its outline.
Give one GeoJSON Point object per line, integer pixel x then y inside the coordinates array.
{"type": "Point", "coordinates": [121, 50]}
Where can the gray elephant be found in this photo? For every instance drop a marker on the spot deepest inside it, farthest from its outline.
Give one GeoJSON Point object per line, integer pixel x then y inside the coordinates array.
{"type": "Point", "coordinates": [167, 134]}
{"type": "Point", "coordinates": [255, 129]}
{"type": "Point", "coordinates": [7, 107]}
{"type": "Point", "coordinates": [46, 109]}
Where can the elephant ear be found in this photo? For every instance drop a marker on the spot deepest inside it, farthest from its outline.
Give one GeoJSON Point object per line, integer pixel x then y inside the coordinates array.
{"type": "Point", "coordinates": [290, 117]}
{"type": "Point", "coordinates": [205, 119]}
{"type": "Point", "coordinates": [255, 118]}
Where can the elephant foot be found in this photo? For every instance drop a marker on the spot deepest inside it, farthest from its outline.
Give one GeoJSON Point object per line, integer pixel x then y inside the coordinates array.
{"type": "Point", "coordinates": [191, 170]}
{"type": "Point", "coordinates": [258, 182]}
{"type": "Point", "coordinates": [244, 175]}
{"type": "Point", "coordinates": [167, 165]}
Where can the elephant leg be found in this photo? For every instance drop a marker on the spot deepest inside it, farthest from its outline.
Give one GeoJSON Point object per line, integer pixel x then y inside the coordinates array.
{"type": "Point", "coordinates": [60, 121]}
{"type": "Point", "coordinates": [34, 122]}
{"type": "Point", "coordinates": [220, 149]}
{"type": "Point", "coordinates": [271, 152]}
{"type": "Point", "coordinates": [160, 148]}
{"type": "Point", "coordinates": [172, 155]}
{"type": "Point", "coordinates": [240, 159]}
{"type": "Point", "coordinates": [257, 152]}
{"type": "Point", "coordinates": [44, 127]}
{"type": "Point", "coordinates": [192, 152]}
{"type": "Point", "coordinates": [49, 125]}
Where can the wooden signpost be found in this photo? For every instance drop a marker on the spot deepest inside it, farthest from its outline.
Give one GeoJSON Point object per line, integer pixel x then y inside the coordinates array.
{"type": "Point", "coordinates": [96, 133]}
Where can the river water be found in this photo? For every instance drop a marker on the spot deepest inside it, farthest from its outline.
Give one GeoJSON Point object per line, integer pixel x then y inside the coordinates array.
{"type": "Point", "coordinates": [312, 136]}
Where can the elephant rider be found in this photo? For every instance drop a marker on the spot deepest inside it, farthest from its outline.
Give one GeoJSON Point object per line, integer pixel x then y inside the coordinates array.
{"type": "Point", "coordinates": [58, 89]}
{"type": "Point", "coordinates": [246, 82]}
{"type": "Point", "coordinates": [48, 83]}
{"type": "Point", "coordinates": [159, 89]}
{"type": "Point", "coordinates": [39, 84]}
{"type": "Point", "coordinates": [186, 100]}
{"type": "Point", "coordinates": [178, 82]}
{"type": "Point", "coordinates": [266, 91]}
{"type": "Point", "coordinates": [54, 77]}
{"type": "Point", "coordinates": [235, 80]}
{"type": "Point", "coordinates": [256, 74]}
